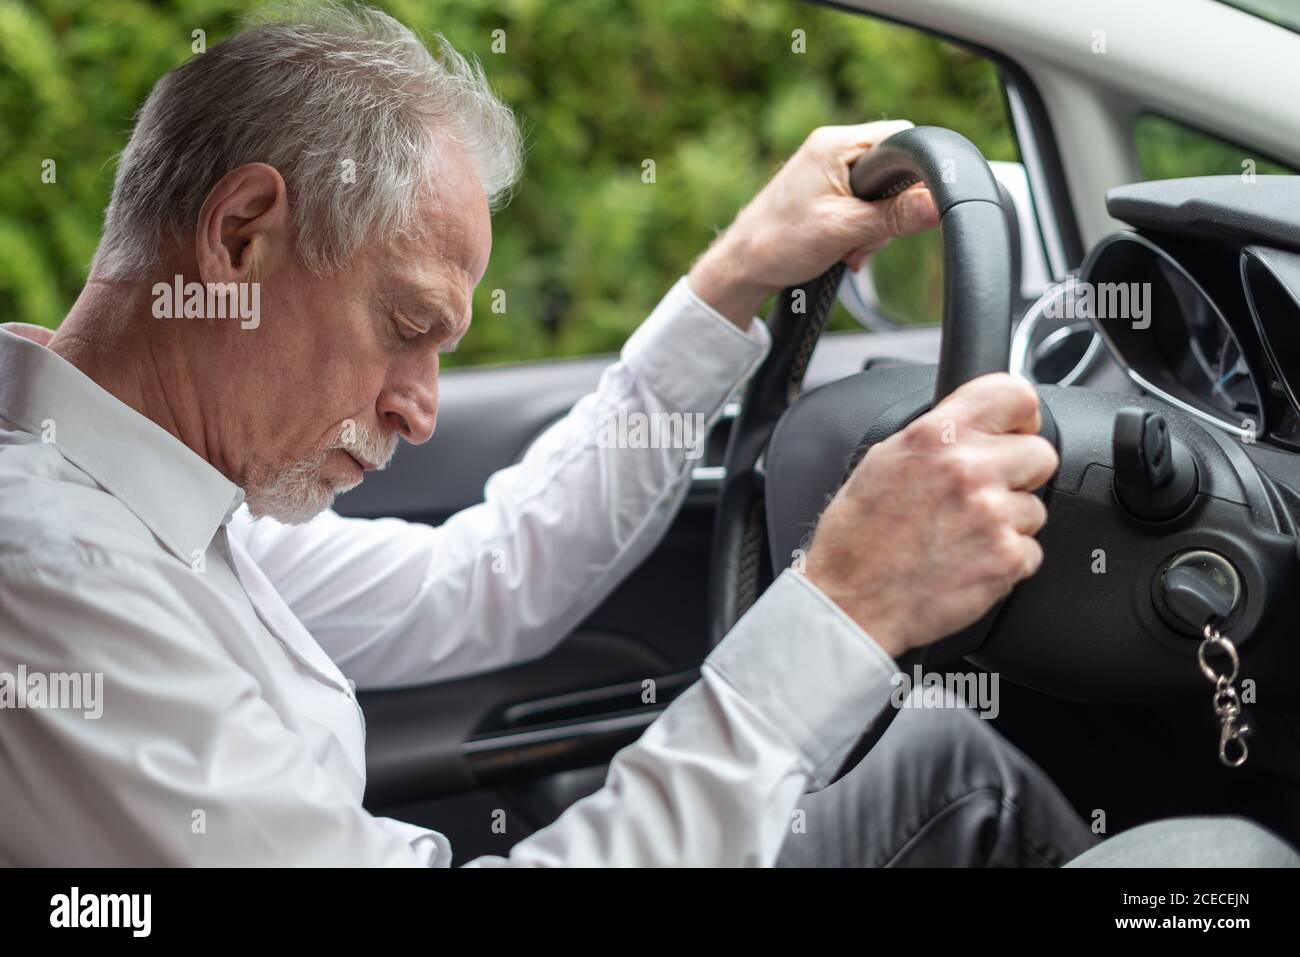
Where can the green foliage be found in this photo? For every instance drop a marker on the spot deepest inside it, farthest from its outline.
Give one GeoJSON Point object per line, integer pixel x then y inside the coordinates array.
{"type": "Point", "coordinates": [712, 92]}
{"type": "Point", "coordinates": [1169, 150]}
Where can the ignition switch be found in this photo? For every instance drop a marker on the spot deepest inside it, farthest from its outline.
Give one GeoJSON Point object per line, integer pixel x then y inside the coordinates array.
{"type": "Point", "coordinates": [1197, 587]}
{"type": "Point", "coordinates": [1155, 474]}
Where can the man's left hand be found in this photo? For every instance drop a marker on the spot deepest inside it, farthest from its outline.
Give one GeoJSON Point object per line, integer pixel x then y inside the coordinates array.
{"type": "Point", "coordinates": [805, 220]}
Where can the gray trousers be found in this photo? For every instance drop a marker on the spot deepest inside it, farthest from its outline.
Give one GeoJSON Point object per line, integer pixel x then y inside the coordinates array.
{"type": "Point", "coordinates": [943, 789]}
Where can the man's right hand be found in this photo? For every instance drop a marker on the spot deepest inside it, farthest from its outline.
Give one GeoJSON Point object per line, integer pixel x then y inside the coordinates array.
{"type": "Point", "coordinates": [937, 522]}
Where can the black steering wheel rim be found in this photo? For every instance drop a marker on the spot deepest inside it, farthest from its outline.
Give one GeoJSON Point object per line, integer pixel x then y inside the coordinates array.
{"type": "Point", "coordinates": [975, 339]}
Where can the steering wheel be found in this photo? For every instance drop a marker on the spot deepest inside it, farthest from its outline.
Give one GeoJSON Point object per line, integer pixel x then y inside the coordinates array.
{"type": "Point", "coordinates": [1159, 526]}
{"type": "Point", "coordinates": [975, 340]}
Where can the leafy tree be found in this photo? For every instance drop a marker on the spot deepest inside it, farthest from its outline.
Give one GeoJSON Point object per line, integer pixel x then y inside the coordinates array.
{"type": "Point", "coordinates": [1168, 150]}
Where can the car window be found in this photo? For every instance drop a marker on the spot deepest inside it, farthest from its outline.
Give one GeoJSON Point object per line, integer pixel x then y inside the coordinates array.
{"type": "Point", "coordinates": [1282, 12]}
{"type": "Point", "coordinates": [1168, 149]}
{"type": "Point", "coordinates": [649, 123]}
{"type": "Point", "coordinates": [697, 104]}
{"type": "Point", "coordinates": [942, 85]}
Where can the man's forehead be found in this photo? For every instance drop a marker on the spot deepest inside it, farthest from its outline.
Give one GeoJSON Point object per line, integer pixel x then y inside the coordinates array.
{"type": "Point", "coordinates": [456, 220]}
{"type": "Point", "coordinates": [445, 248]}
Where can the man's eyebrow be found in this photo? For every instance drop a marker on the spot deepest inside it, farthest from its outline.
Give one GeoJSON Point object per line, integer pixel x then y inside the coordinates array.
{"type": "Point", "coordinates": [428, 306]}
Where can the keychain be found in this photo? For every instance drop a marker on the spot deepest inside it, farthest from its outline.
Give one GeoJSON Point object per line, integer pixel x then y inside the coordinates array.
{"type": "Point", "coordinates": [1227, 705]}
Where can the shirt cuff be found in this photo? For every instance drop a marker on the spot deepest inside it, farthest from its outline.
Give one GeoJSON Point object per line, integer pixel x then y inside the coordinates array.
{"type": "Point", "coordinates": [805, 664]}
{"type": "Point", "coordinates": [691, 355]}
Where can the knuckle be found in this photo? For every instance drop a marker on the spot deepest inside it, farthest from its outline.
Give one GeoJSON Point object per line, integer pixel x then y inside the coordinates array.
{"type": "Point", "coordinates": [1021, 394]}
{"type": "Point", "coordinates": [1037, 513]}
{"type": "Point", "coordinates": [1008, 552]}
{"type": "Point", "coordinates": [1033, 560]}
{"type": "Point", "coordinates": [1050, 458]}
{"type": "Point", "coordinates": [923, 433]}
{"type": "Point", "coordinates": [998, 380]}
{"type": "Point", "coordinates": [917, 437]}
{"type": "Point", "coordinates": [963, 471]}
{"type": "Point", "coordinates": [985, 506]}
{"type": "Point", "coordinates": [818, 139]}
{"type": "Point", "coordinates": [1015, 393]}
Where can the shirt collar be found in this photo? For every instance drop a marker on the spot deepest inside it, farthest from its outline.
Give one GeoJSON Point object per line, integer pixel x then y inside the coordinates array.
{"type": "Point", "coordinates": [175, 492]}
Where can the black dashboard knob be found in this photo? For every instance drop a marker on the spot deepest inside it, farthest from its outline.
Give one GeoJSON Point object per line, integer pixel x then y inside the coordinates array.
{"type": "Point", "coordinates": [1155, 474]}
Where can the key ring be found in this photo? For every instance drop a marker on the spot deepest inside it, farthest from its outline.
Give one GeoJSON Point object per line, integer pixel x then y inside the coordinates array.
{"type": "Point", "coordinates": [1214, 639]}
{"type": "Point", "coordinates": [1227, 704]}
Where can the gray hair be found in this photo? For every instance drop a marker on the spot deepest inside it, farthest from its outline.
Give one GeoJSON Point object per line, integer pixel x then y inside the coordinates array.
{"type": "Point", "coordinates": [314, 90]}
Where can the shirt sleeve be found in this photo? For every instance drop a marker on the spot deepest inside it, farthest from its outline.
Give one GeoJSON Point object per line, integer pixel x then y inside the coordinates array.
{"type": "Point", "coordinates": [395, 603]}
{"type": "Point", "coordinates": [179, 759]}
{"type": "Point", "coordinates": [715, 780]}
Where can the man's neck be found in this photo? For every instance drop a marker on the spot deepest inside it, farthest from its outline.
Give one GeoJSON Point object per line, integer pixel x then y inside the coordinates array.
{"type": "Point", "coordinates": [113, 338]}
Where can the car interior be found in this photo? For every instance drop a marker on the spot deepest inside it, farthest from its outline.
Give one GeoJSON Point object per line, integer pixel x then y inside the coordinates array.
{"type": "Point", "coordinates": [1159, 319]}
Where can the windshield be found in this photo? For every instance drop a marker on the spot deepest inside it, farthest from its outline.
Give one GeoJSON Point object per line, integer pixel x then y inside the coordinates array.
{"type": "Point", "coordinates": [1285, 13]}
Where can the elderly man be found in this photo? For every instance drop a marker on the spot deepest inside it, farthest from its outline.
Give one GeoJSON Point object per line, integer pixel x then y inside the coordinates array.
{"type": "Point", "coordinates": [166, 477]}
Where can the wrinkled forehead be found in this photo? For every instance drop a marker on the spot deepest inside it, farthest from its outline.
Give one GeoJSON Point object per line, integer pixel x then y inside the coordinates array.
{"type": "Point", "coordinates": [453, 219]}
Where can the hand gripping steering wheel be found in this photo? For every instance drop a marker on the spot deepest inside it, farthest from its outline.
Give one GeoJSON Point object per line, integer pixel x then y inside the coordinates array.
{"type": "Point", "coordinates": [976, 338]}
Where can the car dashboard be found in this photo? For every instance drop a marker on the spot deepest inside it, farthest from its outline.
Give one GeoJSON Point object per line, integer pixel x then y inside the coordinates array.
{"type": "Point", "coordinates": [1199, 303]}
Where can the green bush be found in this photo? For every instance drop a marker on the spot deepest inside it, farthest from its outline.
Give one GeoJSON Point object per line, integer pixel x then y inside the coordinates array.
{"type": "Point", "coordinates": [1167, 150]}
{"type": "Point", "coordinates": [712, 92]}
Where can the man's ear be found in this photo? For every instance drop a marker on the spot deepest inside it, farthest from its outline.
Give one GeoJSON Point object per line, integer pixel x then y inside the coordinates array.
{"type": "Point", "coordinates": [243, 231]}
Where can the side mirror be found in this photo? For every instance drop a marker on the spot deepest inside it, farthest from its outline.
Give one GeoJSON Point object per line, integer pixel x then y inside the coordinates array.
{"type": "Point", "coordinates": [859, 290]}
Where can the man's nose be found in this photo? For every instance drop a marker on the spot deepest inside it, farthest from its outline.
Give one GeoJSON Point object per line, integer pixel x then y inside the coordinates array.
{"type": "Point", "coordinates": [411, 408]}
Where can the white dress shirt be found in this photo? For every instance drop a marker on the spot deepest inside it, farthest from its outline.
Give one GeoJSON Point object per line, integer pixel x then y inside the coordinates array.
{"type": "Point", "coordinates": [230, 648]}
